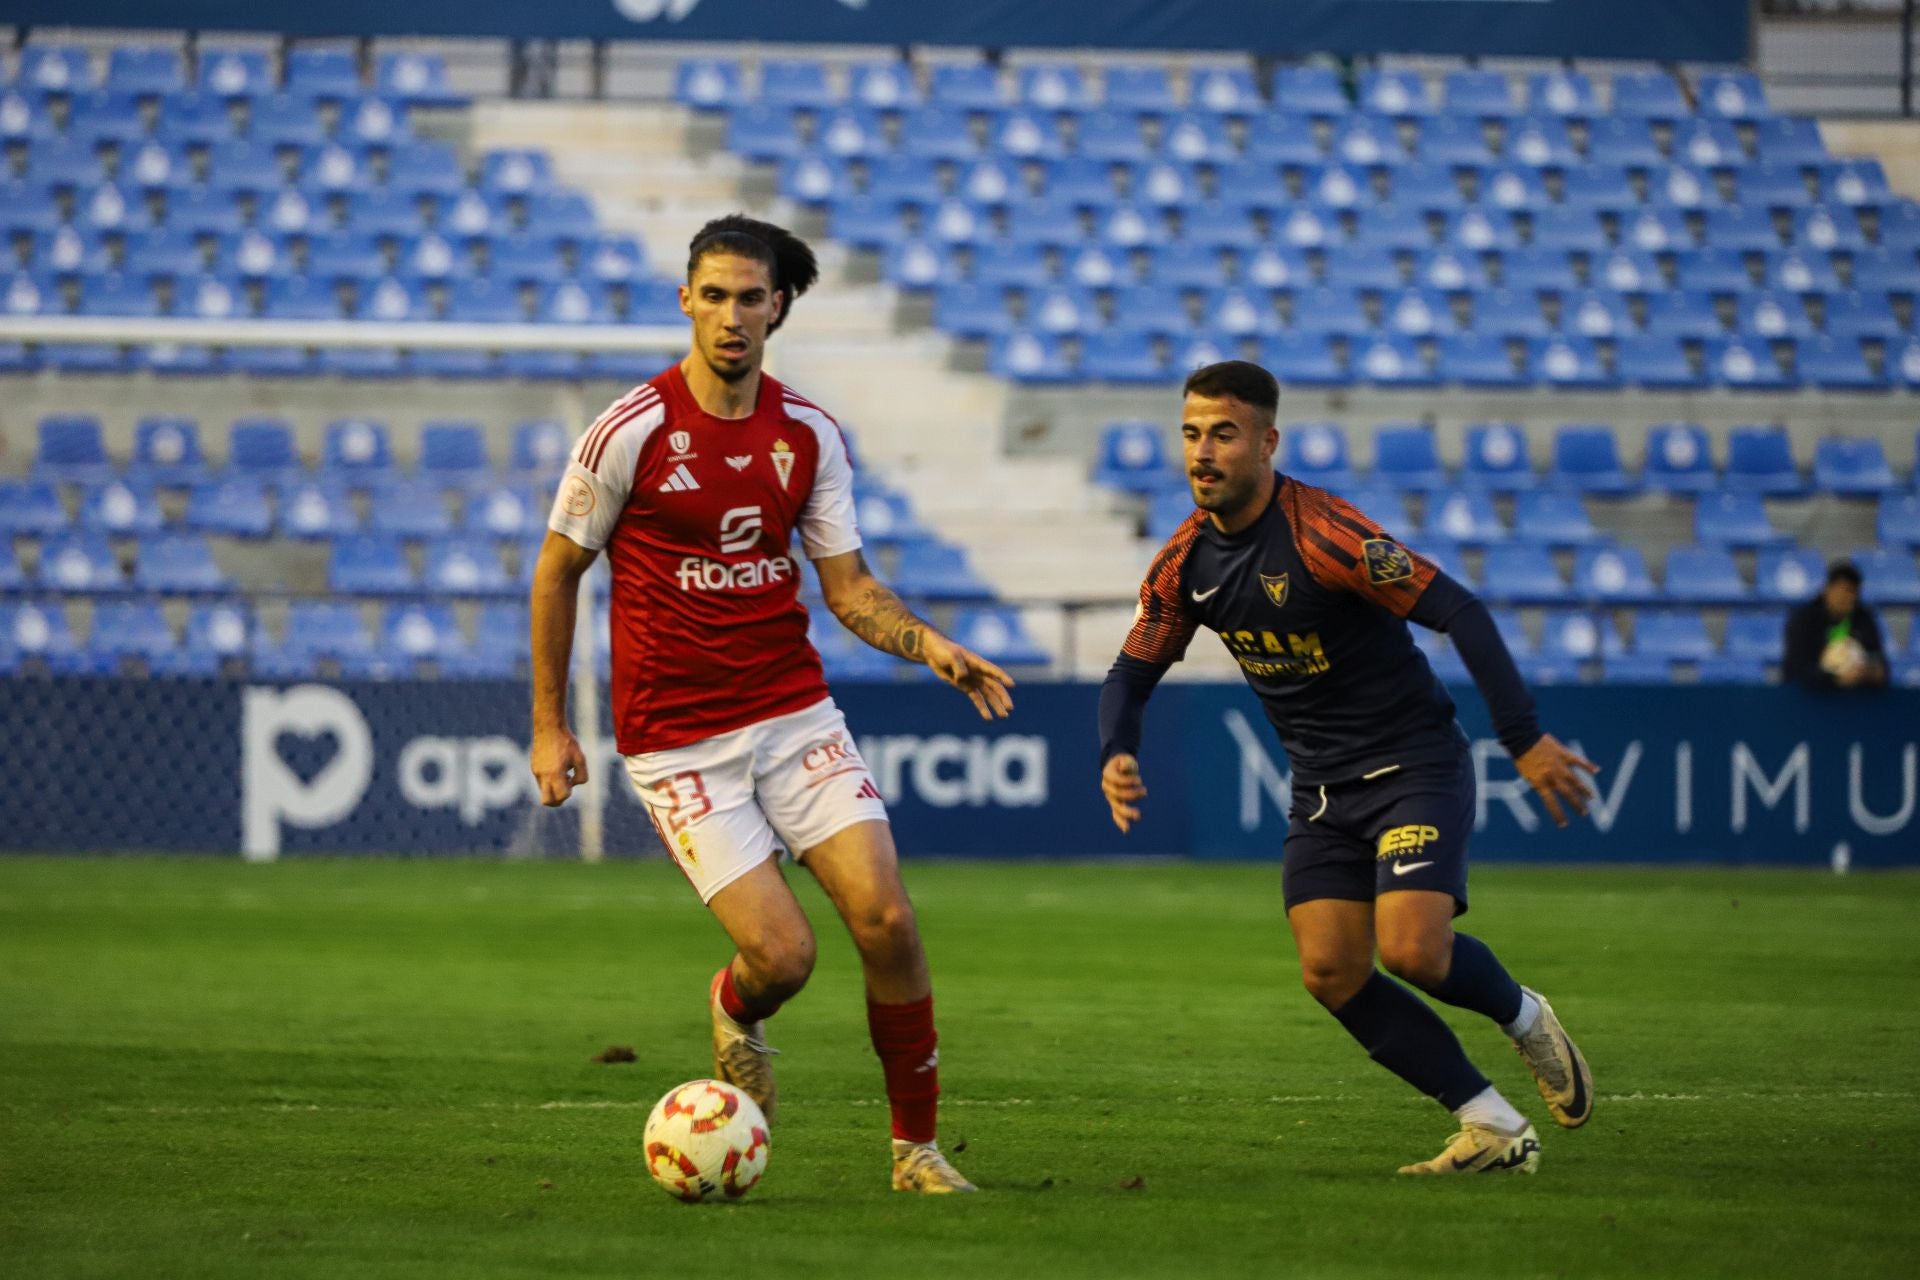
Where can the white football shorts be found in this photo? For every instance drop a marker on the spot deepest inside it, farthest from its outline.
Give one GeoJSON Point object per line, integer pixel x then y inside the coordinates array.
{"type": "Point", "coordinates": [723, 804]}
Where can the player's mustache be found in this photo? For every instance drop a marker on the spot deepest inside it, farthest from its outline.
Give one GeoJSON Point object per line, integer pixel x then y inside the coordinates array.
{"type": "Point", "coordinates": [1206, 473]}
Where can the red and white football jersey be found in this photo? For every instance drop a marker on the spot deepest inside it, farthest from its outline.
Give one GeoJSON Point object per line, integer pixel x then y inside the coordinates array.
{"type": "Point", "coordinates": [697, 516]}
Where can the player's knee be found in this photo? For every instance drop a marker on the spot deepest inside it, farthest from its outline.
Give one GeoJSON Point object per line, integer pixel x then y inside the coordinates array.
{"type": "Point", "coordinates": [1419, 959]}
{"type": "Point", "coordinates": [1333, 982]}
{"type": "Point", "coordinates": [782, 966]}
{"type": "Point", "coordinates": [887, 932]}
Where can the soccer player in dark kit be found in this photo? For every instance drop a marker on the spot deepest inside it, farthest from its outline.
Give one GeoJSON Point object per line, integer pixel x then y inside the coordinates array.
{"type": "Point", "coordinates": [1312, 600]}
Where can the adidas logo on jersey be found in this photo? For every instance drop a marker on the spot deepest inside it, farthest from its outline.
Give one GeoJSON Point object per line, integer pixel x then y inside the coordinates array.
{"type": "Point", "coordinates": [680, 481]}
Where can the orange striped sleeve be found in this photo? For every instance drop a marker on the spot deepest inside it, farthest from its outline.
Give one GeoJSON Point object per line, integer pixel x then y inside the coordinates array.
{"type": "Point", "coordinates": [1162, 626]}
{"type": "Point", "coordinates": [1348, 551]}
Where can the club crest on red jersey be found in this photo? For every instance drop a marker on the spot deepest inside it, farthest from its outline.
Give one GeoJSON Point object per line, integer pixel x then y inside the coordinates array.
{"type": "Point", "coordinates": [1275, 585]}
{"type": "Point", "coordinates": [782, 457]}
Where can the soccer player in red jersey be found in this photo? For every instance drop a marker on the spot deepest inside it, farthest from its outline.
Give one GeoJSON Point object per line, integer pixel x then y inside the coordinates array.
{"type": "Point", "coordinates": [694, 483]}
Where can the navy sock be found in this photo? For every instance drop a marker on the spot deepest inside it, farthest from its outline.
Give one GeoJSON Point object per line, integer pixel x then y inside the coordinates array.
{"type": "Point", "coordinates": [1402, 1034]}
{"type": "Point", "coordinates": [1478, 981]}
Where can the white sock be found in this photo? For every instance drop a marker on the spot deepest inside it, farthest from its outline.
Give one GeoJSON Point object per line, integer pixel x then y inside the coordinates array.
{"type": "Point", "coordinates": [1524, 1021]}
{"type": "Point", "coordinates": [1491, 1111]}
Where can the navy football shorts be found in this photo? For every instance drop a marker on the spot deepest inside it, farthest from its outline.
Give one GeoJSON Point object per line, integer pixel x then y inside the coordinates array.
{"type": "Point", "coordinates": [1402, 830]}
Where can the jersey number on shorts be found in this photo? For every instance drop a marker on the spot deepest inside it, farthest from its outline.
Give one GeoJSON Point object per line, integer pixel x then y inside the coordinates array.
{"type": "Point", "coordinates": [684, 795]}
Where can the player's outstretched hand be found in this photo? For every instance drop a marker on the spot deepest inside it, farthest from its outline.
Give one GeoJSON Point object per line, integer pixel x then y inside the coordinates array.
{"type": "Point", "coordinates": [559, 765]}
{"type": "Point", "coordinates": [984, 684]}
{"type": "Point", "coordinates": [1553, 769]}
{"type": "Point", "coordinates": [1120, 781]}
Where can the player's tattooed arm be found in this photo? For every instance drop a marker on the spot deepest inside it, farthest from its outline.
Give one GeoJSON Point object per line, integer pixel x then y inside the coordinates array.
{"type": "Point", "coordinates": [881, 618]}
{"type": "Point", "coordinates": [868, 608]}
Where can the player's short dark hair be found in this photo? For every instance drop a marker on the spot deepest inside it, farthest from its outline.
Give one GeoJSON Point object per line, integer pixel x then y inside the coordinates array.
{"type": "Point", "coordinates": [1844, 571]}
{"type": "Point", "coordinates": [786, 256]}
{"type": "Point", "coordinates": [1243, 380]}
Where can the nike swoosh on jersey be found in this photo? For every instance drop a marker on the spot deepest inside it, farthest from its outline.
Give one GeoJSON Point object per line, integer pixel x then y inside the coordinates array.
{"type": "Point", "coordinates": [1201, 597]}
{"type": "Point", "coordinates": [1401, 868]}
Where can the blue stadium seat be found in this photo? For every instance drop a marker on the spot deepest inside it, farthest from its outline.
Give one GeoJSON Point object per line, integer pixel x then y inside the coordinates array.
{"type": "Point", "coordinates": [566, 214]}
{"type": "Point", "coordinates": [1595, 313]}
{"type": "Point", "coordinates": [1735, 520]}
{"type": "Point", "coordinates": [1027, 135]}
{"type": "Point", "coordinates": [1450, 270]}
{"type": "Point", "coordinates": [1365, 141]}
{"type": "Point", "coordinates": [1704, 575]}
{"type": "Point", "coordinates": [1540, 143]}
{"type": "Point", "coordinates": [27, 208]}
{"type": "Point", "coordinates": [1838, 364]}
{"type": "Point", "coordinates": [1317, 453]}
{"type": "Point", "coordinates": [1395, 93]}
{"type": "Point", "coordinates": [1308, 227]}
{"type": "Point", "coordinates": [1407, 458]}
{"type": "Point", "coordinates": [111, 208]}
{"type": "Point", "coordinates": [1657, 230]}
{"type": "Point", "coordinates": [1858, 314]}
{"type": "Point", "coordinates": [1612, 574]}
{"type": "Point", "coordinates": [1094, 266]}
{"type": "Point", "coordinates": [501, 644]}
{"type": "Point", "coordinates": [883, 86]}
{"type": "Point", "coordinates": [1597, 187]}
{"type": "Point", "coordinates": [1304, 360]}
{"type": "Point", "coordinates": [1122, 357]}
{"type": "Point", "coordinates": [65, 164]}
{"type": "Point", "coordinates": [464, 566]}
{"type": "Point", "coordinates": [886, 517]}
{"type": "Point", "coordinates": [157, 254]}
{"type": "Point", "coordinates": [370, 564]}
{"type": "Point", "coordinates": [1853, 467]}
{"type": "Point", "coordinates": [918, 265]}
{"type": "Point", "coordinates": [1743, 228]}
{"type": "Point", "coordinates": [933, 570]}
{"type": "Point", "coordinates": [1732, 95]}
{"type": "Point", "coordinates": [1789, 141]}
{"type": "Point", "coordinates": [1453, 140]}
{"type": "Point", "coordinates": [71, 449]}
{"type": "Point", "coordinates": [1555, 519]}
{"type": "Point", "coordinates": [1479, 359]}
{"type": "Point", "coordinates": [1053, 86]}
{"type": "Point", "coordinates": [998, 634]}
{"type": "Point", "coordinates": [795, 82]}
{"type": "Point", "coordinates": [205, 211]}
{"type": "Point", "coordinates": [301, 298]}
{"type": "Point", "coordinates": [1417, 313]}
{"type": "Point", "coordinates": [1227, 91]}
{"type": "Point", "coordinates": [419, 633]}
{"type": "Point", "coordinates": [1712, 270]}
{"type": "Point", "coordinates": [82, 562]}
{"type": "Point", "coordinates": [1268, 267]}
{"type": "Point", "coordinates": [1030, 358]}
{"type": "Point", "coordinates": [1328, 310]}
{"type": "Point", "coordinates": [816, 180]}
{"type": "Point", "coordinates": [1044, 222]}
{"type": "Point", "coordinates": [362, 362]}
{"type": "Point", "coordinates": [968, 310]}
{"type": "Point", "coordinates": [763, 133]}
{"type": "Point", "coordinates": [1568, 230]}
{"type": "Point", "coordinates": [1497, 458]}
{"type": "Point", "coordinates": [332, 170]}
{"type": "Point", "coordinates": [117, 295]}
{"type": "Point", "coordinates": [1362, 266]}
{"type": "Point", "coordinates": [416, 79]}
{"type": "Point", "coordinates": [484, 302]}
{"type": "Point", "coordinates": [1772, 186]}
{"type": "Point", "coordinates": [1132, 457]}
{"type": "Point", "coordinates": [357, 454]}
{"type": "Point", "coordinates": [318, 511]}
{"type": "Point", "coordinates": [939, 133]}
{"type": "Point", "coordinates": [235, 73]}
{"type": "Point", "coordinates": [343, 256]}
{"type": "Point", "coordinates": [1197, 138]}
{"type": "Point", "coordinates": [1586, 459]}
{"type": "Point", "coordinates": [271, 362]}
{"type": "Point", "coordinates": [1760, 460]}
{"type": "Point", "coordinates": [1245, 312]}
{"type": "Point", "coordinates": [1510, 313]}
{"type": "Point", "coordinates": [453, 455]}
{"type": "Point", "coordinates": [106, 116]}
{"type": "Point", "coordinates": [850, 133]}
{"type": "Point", "coordinates": [471, 213]}
{"type": "Point", "coordinates": [389, 301]}
{"type": "Point", "coordinates": [708, 84]}
{"type": "Point", "coordinates": [409, 508]}
{"type": "Point", "coordinates": [262, 449]}
{"type": "Point", "coordinates": [179, 564]}
{"type": "Point", "coordinates": [1650, 94]}
{"type": "Point", "coordinates": [1521, 573]}
{"type": "Point", "coordinates": [1801, 271]}
{"type": "Point", "coordinates": [279, 120]}
{"type": "Point", "coordinates": [31, 508]}
{"type": "Point", "coordinates": [1675, 635]}
{"type": "Point", "coordinates": [320, 629]}
{"type": "Point", "coordinates": [1683, 314]}
{"type": "Point", "coordinates": [1487, 95]}
{"type": "Point", "coordinates": [1146, 90]}
{"type": "Point", "coordinates": [1889, 575]}
{"type": "Point", "coordinates": [40, 630]}
{"type": "Point", "coordinates": [1749, 364]}
{"type": "Point", "coordinates": [1511, 188]}
{"type": "Point", "coordinates": [1757, 637]}
{"type": "Point", "coordinates": [128, 629]}
{"type": "Point", "coordinates": [1788, 576]}
{"type": "Point", "coordinates": [1562, 93]}
{"type": "Point", "coordinates": [229, 508]}
{"type": "Point", "coordinates": [1623, 141]}
{"type": "Point", "coordinates": [1570, 362]}
{"type": "Point", "coordinates": [1898, 521]}
{"type": "Point", "coordinates": [322, 73]}
{"type": "Point", "coordinates": [525, 257]}
{"type": "Point", "coordinates": [1279, 138]}
{"type": "Point", "coordinates": [1852, 182]}
{"type": "Point", "coordinates": [1681, 186]}
{"type": "Point", "coordinates": [1897, 270]}
{"type": "Point", "coordinates": [1463, 517]}
{"type": "Point", "coordinates": [1309, 91]}
{"type": "Point", "coordinates": [1771, 314]}
{"type": "Point", "coordinates": [121, 508]}
{"type": "Point", "coordinates": [423, 169]}
{"type": "Point", "coordinates": [390, 214]}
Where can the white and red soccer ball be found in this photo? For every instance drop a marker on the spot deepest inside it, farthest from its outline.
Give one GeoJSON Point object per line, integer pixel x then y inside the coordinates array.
{"type": "Point", "coordinates": [706, 1138]}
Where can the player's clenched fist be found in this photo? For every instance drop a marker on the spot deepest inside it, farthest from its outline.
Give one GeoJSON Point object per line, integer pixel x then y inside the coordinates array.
{"type": "Point", "coordinates": [1120, 781]}
{"type": "Point", "coordinates": [559, 765]}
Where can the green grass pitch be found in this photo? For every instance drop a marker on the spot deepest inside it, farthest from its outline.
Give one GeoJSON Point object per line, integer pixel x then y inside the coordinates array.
{"type": "Point", "coordinates": [381, 1069]}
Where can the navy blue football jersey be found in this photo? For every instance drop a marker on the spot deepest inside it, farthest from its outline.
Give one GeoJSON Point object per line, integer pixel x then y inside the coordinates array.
{"type": "Point", "coordinates": [1311, 600]}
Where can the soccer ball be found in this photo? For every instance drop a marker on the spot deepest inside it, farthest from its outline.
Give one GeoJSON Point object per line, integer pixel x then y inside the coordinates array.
{"type": "Point", "coordinates": [706, 1137]}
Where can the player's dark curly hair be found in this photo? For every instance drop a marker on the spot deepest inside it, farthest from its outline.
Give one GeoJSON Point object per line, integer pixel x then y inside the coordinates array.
{"type": "Point", "coordinates": [1243, 380]}
{"type": "Point", "coordinates": [785, 255]}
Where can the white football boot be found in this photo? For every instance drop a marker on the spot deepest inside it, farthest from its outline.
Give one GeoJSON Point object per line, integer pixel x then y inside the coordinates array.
{"type": "Point", "coordinates": [740, 1054]}
{"type": "Point", "coordinates": [1565, 1082]}
{"type": "Point", "coordinates": [1477, 1149]}
{"type": "Point", "coordinates": [919, 1166]}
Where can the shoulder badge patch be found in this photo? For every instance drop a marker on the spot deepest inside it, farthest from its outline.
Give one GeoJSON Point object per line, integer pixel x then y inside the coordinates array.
{"type": "Point", "coordinates": [1387, 560]}
{"type": "Point", "coordinates": [1275, 585]}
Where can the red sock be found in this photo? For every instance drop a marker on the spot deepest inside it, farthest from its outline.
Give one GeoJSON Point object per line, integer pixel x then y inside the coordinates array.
{"type": "Point", "coordinates": [737, 1006]}
{"type": "Point", "coordinates": [904, 1038]}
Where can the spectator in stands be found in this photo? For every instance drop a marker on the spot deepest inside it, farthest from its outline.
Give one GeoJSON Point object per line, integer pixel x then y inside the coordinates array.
{"type": "Point", "coordinates": [1833, 640]}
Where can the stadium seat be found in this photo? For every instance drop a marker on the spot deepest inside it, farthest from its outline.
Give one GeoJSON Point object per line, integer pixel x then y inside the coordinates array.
{"type": "Point", "coordinates": [1393, 360]}
{"type": "Point", "coordinates": [320, 629]}
{"type": "Point", "coordinates": [30, 508]}
{"type": "Point", "coordinates": [370, 564]}
{"type": "Point", "coordinates": [1733, 95]}
{"type": "Point", "coordinates": [73, 561]}
{"type": "Point", "coordinates": [1510, 313]}
{"type": "Point", "coordinates": [1028, 357]}
{"type": "Point", "coordinates": [262, 449]}
{"type": "Point", "coordinates": [1707, 144]}
{"type": "Point", "coordinates": [1747, 364]}
{"type": "Point", "coordinates": [1280, 138]}
{"type": "Point", "coordinates": [284, 120]}
{"type": "Point", "coordinates": [1148, 90]}
{"type": "Point", "coordinates": [1861, 313]}
{"type": "Point", "coordinates": [464, 566]}
{"type": "Point", "coordinates": [1362, 266]}
{"type": "Point", "coordinates": [1479, 360]}
{"type": "Point", "coordinates": [1788, 576]}
{"type": "Point", "coordinates": [179, 563]}
{"type": "Point", "coordinates": [1576, 636]}
{"type": "Point", "coordinates": [1853, 182]}
{"type": "Point", "coordinates": [1897, 523]}
{"type": "Point", "coordinates": [1406, 457]}
{"type": "Point", "coordinates": [39, 630]}
{"type": "Point", "coordinates": [1828, 230]}
{"type": "Point", "coordinates": [708, 84]}
{"type": "Point", "coordinates": [416, 79]}
{"type": "Point", "coordinates": [1121, 357]}
{"type": "Point", "coordinates": [1760, 460]}
{"type": "Point", "coordinates": [230, 508]}
{"type": "Point", "coordinates": [357, 454]}
{"type": "Point", "coordinates": [322, 73]}
{"type": "Point", "coordinates": [1675, 635]}
{"type": "Point", "coordinates": [998, 634]}
{"type": "Point", "coordinates": [1269, 267]}
{"type": "Point", "coordinates": [1540, 143]}
{"type": "Point", "coordinates": [121, 509]}
{"type": "Point", "coordinates": [1304, 360]}
{"type": "Point", "coordinates": [1615, 575]}
{"type": "Point", "coordinates": [1636, 668]}
{"type": "Point", "coordinates": [1482, 94]}
{"type": "Point", "coordinates": [1316, 452]}
{"type": "Point", "coordinates": [1323, 310]}
{"type": "Point", "coordinates": [128, 629]}
{"type": "Point", "coordinates": [1463, 518]}
{"type": "Point", "coordinates": [235, 73]}
{"type": "Point", "coordinates": [1554, 519]}
{"type": "Point", "coordinates": [1497, 458]}
{"type": "Point", "coordinates": [1364, 142]}
{"type": "Point", "coordinates": [1309, 91]}
{"type": "Point", "coordinates": [1838, 364]}
{"type": "Point", "coordinates": [1395, 93]}
{"type": "Point", "coordinates": [1853, 467]}
{"type": "Point", "coordinates": [1772, 186]}
{"type": "Point", "coordinates": [318, 511]}
{"type": "Point", "coordinates": [1735, 520]}
{"type": "Point", "coordinates": [1598, 187]}
{"type": "Point", "coordinates": [1595, 313]}
{"type": "Point", "coordinates": [1889, 575]}
{"type": "Point", "coordinates": [1628, 143]}
{"type": "Point", "coordinates": [1132, 457]}
{"type": "Point", "coordinates": [1562, 93]}
{"type": "Point", "coordinates": [1757, 637]}
{"type": "Point", "coordinates": [1704, 575]}
{"type": "Point", "coordinates": [1682, 187]}
{"type": "Point", "coordinates": [72, 450]}
{"type": "Point", "coordinates": [1221, 90]}
{"type": "Point", "coordinates": [409, 508]}
{"type": "Point", "coordinates": [411, 634]}
{"type": "Point", "coordinates": [1586, 459]}
{"type": "Point", "coordinates": [1521, 573]}
{"type": "Point", "coordinates": [1512, 188]}
{"type": "Point", "coordinates": [933, 570]}
{"type": "Point", "coordinates": [1800, 271]}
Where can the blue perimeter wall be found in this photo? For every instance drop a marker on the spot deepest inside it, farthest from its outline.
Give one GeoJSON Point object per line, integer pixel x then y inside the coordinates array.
{"type": "Point", "coordinates": [1691, 774]}
{"type": "Point", "coordinates": [1659, 30]}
